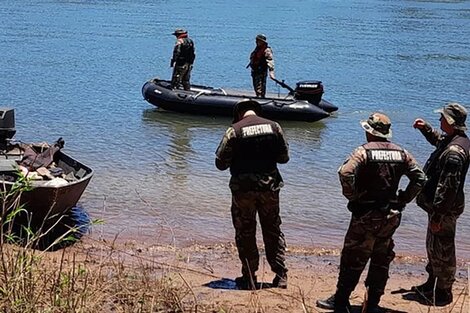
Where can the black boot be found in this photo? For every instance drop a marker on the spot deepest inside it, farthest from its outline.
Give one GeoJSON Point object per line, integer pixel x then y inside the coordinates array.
{"type": "Point", "coordinates": [373, 299]}
{"type": "Point", "coordinates": [375, 309]}
{"type": "Point", "coordinates": [428, 286]}
{"type": "Point", "coordinates": [441, 297]}
{"type": "Point", "coordinates": [246, 282]}
{"type": "Point", "coordinates": [280, 281]}
{"type": "Point", "coordinates": [328, 304]}
{"type": "Point", "coordinates": [339, 302]}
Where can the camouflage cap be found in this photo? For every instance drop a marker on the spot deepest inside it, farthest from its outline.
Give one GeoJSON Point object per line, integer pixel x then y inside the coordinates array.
{"type": "Point", "coordinates": [261, 37]}
{"type": "Point", "coordinates": [244, 105]}
{"type": "Point", "coordinates": [455, 114]}
{"type": "Point", "coordinates": [378, 125]}
{"type": "Point", "coordinates": [179, 31]}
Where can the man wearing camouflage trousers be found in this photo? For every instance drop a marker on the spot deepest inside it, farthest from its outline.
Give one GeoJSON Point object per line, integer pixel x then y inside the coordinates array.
{"type": "Point", "coordinates": [252, 147]}
{"type": "Point", "coordinates": [443, 199]}
{"type": "Point", "coordinates": [370, 179]}
{"type": "Point", "coordinates": [261, 61]}
{"type": "Point", "coordinates": [182, 59]}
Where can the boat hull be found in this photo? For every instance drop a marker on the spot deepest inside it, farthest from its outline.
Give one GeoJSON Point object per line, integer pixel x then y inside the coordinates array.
{"type": "Point", "coordinates": [211, 101]}
{"type": "Point", "coordinates": [45, 204]}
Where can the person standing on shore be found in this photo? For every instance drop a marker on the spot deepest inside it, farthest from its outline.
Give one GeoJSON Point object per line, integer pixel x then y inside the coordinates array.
{"type": "Point", "coordinates": [443, 199]}
{"type": "Point", "coordinates": [182, 60]}
{"type": "Point", "coordinates": [251, 148]}
{"type": "Point", "coordinates": [370, 179]}
{"type": "Point", "coordinates": [261, 61]}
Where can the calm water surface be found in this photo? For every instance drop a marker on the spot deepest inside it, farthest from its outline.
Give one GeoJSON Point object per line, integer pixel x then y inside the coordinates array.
{"type": "Point", "coordinates": [75, 68]}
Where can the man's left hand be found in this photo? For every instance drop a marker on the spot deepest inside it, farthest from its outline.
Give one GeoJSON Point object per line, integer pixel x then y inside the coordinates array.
{"type": "Point", "coordinates": [271, 75]}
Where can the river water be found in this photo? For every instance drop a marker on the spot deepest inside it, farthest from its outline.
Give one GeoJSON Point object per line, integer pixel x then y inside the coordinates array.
{"type": "Point", "coordinates": [74, 69]}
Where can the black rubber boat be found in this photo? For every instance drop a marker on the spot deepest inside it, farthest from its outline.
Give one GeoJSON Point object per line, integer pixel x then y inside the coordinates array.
{"type": "Point", "coordinates": [302, 104]}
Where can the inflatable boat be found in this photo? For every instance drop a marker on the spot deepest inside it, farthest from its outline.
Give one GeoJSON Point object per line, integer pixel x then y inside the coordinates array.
{"type": "Point", "coordinates": [304, 103]}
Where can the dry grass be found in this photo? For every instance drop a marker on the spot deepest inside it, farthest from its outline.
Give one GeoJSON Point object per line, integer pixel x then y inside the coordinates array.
{"type": "Point", "coordinates": [71, 281]}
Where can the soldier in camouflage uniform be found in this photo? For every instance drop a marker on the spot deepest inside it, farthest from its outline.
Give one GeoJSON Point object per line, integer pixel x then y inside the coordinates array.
{"type": "Point", "coordinates": [251, 148]}
{"type": "Point", "coordinates": [370, 179]}
{"type": "Point", "coordinates": [261, 61]}
{"type": "Point", "coordinates": [182, 60]}
{"type": "Point", "coordinates": [443, 199]}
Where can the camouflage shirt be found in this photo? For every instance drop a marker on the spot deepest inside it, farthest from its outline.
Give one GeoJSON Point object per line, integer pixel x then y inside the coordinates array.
{"type": "Point", "coordinates": [446, 169]}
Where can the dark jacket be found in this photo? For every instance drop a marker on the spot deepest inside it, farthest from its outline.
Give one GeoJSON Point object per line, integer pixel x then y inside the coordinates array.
{"type": "Point", "coordinates": [183, 52]}
{"type": "Point", "coordinates": [252, 148]}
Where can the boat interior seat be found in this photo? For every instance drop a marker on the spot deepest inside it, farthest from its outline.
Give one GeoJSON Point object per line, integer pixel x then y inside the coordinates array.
{"type": "Point", "coordinates": [8, 165]}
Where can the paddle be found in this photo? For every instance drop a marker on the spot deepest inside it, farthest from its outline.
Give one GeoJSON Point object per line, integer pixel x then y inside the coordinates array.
{"type": "Point", "coordinates": [284, 85]}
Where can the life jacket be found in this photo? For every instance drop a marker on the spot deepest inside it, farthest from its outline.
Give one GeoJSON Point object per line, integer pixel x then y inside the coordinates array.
{"type": "Point", "coordinates": [377, 181]}
{"type": "Point", "coordinates": [186, 54]}
{"type": "Point", "coordinates": [258, 61]}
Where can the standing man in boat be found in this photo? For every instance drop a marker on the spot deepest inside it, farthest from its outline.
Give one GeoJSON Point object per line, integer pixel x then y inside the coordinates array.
{"type": "Point", "coordinates": [182, 60]}
{"type": "Point", "coordinates": [370, 179]}
{"type": "Point", "coordinates": [443, 199]}
{"type": "Point", "coordinates": [261, 61]}
{"type": "Point", "coordinates": [251, 148]}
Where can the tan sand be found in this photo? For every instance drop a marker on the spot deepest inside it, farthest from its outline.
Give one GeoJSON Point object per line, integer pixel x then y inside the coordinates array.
{"type": "Point", "coordinates": [209, 270]}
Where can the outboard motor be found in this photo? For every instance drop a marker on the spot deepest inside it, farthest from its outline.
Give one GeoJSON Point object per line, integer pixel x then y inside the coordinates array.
{"type": "Point", "coordinates": [7, 127]}
{"type": "Point", "coordinates": [310, 90]}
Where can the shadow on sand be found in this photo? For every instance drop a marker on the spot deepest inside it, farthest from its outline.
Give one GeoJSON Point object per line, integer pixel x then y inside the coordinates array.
{"type": "Point", "coordinates": [230, 284]}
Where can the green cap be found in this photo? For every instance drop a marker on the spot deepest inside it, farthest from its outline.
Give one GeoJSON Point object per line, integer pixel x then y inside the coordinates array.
{"type": "Point", "coordinates": [261, 37]}
{"type": "Point", "coordinates": [455, 114]}
{"type": "Point", "coordinates": [179, 31]}
{"type": "Point", "coordinates": [378, 125]}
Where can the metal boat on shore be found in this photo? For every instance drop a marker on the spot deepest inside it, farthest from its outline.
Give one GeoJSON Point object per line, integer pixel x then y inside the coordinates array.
{"type": "Point", "coordinates": [54, 180]}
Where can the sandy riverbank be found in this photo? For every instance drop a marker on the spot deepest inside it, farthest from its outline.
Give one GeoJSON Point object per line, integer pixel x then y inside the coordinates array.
{"type": "Point", "coordinates": [207, 271]}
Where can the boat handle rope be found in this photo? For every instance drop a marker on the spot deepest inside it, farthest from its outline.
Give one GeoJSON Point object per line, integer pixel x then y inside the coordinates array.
{"type": "Point", "coordinates": [198, 94]}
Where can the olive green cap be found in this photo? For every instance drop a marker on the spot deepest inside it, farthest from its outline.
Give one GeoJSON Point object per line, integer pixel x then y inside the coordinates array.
{"type": "Point", "coordinates": [455, 114]}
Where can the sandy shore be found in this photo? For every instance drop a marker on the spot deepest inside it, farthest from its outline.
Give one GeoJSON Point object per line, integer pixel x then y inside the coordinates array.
{"type": "Point", "coordinates": [209, 270]}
